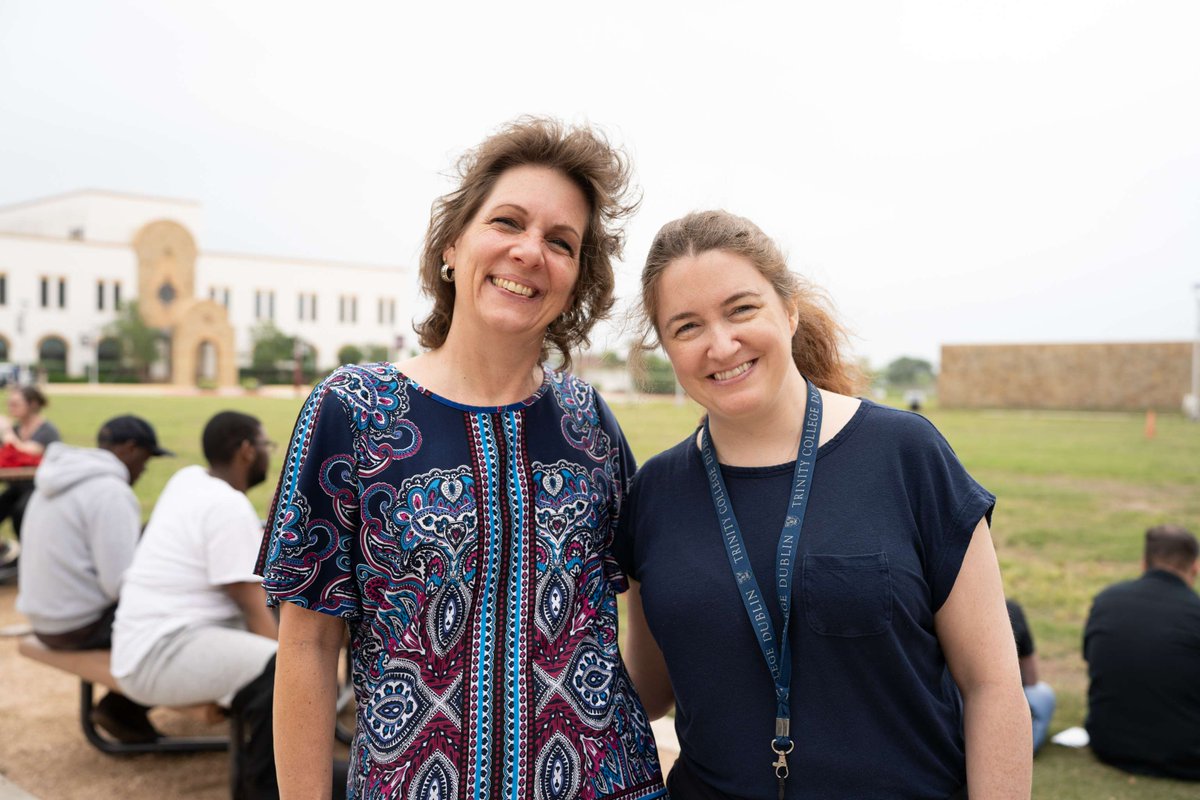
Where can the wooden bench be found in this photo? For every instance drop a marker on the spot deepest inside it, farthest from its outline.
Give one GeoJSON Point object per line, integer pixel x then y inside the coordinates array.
{"type": "Point", "coordinates": [92, 667]}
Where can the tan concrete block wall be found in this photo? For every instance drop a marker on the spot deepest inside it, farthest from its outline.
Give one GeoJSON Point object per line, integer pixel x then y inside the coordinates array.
{"type": "Point", "coordinates": [1110, 377]}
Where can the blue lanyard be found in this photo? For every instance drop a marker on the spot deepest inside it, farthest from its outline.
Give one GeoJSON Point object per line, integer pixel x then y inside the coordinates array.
{"type": "Point", "coordinates": [774, 648]}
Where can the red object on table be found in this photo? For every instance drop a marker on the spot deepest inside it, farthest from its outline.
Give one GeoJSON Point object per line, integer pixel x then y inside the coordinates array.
{"type": "Point", "coordinates": [12, 457]}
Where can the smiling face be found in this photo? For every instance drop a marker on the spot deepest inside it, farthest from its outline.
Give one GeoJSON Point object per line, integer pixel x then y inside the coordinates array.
{"type": "Point", "coordinates": [728, 335]}
{"type": "Point", "coordinates": [517, 261]}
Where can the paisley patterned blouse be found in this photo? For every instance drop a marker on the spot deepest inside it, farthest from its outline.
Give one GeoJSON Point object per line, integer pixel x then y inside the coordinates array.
{"type": "Point", "coordinates": [468, 551]}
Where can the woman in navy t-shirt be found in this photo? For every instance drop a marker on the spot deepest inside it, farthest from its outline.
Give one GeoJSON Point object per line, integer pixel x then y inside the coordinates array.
{"type": "Point", "coordinates": [815, 585]}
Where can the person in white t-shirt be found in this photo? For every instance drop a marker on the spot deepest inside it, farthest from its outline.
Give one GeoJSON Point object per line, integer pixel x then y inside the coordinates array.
{"type": "Point", "coordinates": [192, 623]}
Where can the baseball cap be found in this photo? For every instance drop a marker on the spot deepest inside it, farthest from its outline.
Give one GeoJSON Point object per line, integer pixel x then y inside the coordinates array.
{"type": "Point", "coordinates": [129, 428]}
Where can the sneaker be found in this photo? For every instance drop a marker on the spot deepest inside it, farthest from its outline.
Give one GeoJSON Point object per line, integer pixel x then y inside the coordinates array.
{"type": "Point", "coordinates": [124, 720]}
{"type": "Point", "coordinates": [9, 551]}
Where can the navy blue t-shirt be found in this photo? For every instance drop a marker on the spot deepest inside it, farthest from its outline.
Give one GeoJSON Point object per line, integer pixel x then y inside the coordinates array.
{"type": "Point", "coordinates": [875, 712]}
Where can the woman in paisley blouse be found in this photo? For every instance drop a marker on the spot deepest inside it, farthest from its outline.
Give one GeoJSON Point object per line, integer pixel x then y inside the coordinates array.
{"type": "Point", "coordinates": [455, 512]}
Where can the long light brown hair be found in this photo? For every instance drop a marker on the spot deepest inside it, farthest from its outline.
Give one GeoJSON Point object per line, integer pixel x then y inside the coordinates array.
{"type": "Point", "coordinates": [819, 345]}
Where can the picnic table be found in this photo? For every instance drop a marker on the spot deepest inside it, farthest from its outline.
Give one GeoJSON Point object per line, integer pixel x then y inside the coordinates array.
{"type": "Point", "coordinates": [14, 474]}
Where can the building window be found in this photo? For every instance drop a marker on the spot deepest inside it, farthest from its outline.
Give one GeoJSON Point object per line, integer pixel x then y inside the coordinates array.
{"type": "Point", "coordinates": [387, 311]}
{"type": "Point", "coordinates": [3, 290]}
{"type": "Point", "coordinates": [264, 304]}
{"type": "Point", "coordinates": [45, 292]}
{"type": "Point", "coordinates": [116, 296]}
{"type": "Point", "coordinates": [62, 292]}
{"type": "Point", "coordinates": [348, 308]}
{"type": "Point", "coordinates": [307, 307]}
{"type": "Point", "coordinates": [99, 295]}
{"type": "Point", "coordinates": [52, 354]}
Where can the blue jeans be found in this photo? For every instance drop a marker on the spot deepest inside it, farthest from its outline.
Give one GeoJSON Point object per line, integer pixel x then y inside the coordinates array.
{"type": "Point", "coordinates": [1041, 706]}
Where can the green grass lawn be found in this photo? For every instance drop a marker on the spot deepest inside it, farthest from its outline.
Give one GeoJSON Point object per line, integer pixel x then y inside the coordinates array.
{"type": "Point", "coordinates": [178, 422]}
{"type": "Point", "coordinates": [1076, 491]}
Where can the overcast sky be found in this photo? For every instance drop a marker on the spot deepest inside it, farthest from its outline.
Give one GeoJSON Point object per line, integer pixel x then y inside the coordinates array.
{"type": "Point", "coordinates": [952, 172]}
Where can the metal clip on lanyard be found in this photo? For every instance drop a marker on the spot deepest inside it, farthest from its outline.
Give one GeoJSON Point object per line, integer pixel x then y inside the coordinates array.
{"type": "Point", "coordinates": [778, 658]}
{"type": "Point", "coordinates": [782, 744]}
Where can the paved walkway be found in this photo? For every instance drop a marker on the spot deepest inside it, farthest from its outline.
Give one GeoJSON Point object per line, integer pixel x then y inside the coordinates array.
{"type": "Point", "coordinates": [10, 791]}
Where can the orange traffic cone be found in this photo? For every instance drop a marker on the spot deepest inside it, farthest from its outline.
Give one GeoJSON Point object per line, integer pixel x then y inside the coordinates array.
{"type": "Point", "coordinates": [1150, 423]}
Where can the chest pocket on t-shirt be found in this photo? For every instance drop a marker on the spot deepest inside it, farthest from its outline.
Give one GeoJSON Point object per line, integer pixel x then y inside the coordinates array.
{"type": "Point", "coordinates": [847, 595]}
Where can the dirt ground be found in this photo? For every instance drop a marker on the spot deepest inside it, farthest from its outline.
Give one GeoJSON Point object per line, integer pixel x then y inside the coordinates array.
{"type": "Point", "coordinates": [42, 749]}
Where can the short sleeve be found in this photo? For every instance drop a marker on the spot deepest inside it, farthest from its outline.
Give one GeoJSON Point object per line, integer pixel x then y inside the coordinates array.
{"type": "Point", "coordinates": [623, 538]}
{"type": "Point", "coordinates": [622, 468]}
{"type": "Point", "coordinates": [947, 505]}
{"type": "Point", "coordinates": [308, 550]}
{"type": "Point", "coordinates": [232, 533]}
{"type": "Point", "coordinates": [46, 434]}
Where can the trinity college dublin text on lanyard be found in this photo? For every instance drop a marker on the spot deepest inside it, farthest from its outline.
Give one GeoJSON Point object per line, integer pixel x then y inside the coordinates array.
{"type": "Point", "coordinates": [778, 656]}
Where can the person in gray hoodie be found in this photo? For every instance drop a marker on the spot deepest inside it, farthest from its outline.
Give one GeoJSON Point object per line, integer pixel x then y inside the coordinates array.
{"type": "Point", "coordinates": [81, 527]}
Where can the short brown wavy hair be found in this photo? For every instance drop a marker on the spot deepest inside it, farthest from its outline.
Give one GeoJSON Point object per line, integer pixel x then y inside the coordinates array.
{"type": "Point", "coordinates": [581, 153]}
{"type": "Point", "coordinates": [819, 345]}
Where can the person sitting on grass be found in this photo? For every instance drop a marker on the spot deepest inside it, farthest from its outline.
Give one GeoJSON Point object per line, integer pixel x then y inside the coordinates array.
{"type": "Point", "coordinates": [1039, 693]}
{"type": "Point", "coordinates": [1142, 646]}
{"type": "Point", "coordinates": [81, 527]}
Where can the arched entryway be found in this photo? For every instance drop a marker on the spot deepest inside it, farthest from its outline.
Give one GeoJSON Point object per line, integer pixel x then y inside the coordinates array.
{"type": "Point", "coordinates": [108, 358]}
{"type": "Point", "coordinates": [52, 356]}
{"type": "Point", "coordinates": [206, 363]}
{"type": "Point", "coordinates": [202, 346]}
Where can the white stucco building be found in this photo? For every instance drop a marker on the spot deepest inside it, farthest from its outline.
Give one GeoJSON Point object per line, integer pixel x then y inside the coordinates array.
{"type": "Point", "coordinates": [68, 262]}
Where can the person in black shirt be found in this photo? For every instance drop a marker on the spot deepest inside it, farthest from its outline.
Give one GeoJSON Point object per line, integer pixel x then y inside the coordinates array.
{"type": "Point", "coordinates": [1142, 645]}
{"type": "Point", "coordinates": [1040, 694]}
